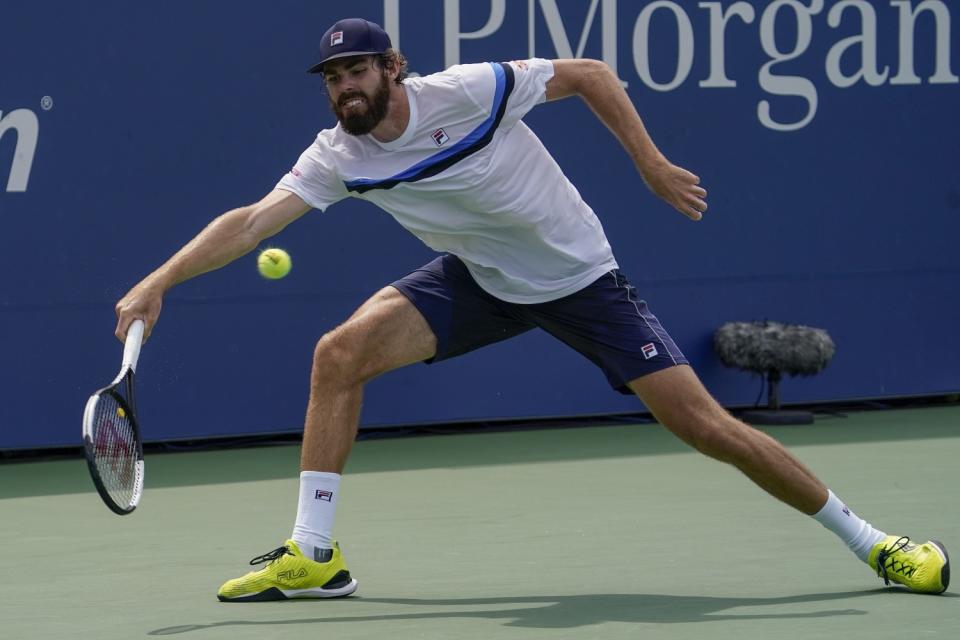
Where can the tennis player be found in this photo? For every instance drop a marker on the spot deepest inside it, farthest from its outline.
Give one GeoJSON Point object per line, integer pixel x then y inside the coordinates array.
{"type": "Point", "coordinates": [448, 156]}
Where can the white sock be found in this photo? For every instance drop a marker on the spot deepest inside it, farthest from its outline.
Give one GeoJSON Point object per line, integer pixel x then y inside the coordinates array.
{"type": "Point", "coordinates": [857, 533]}
{"type": "Point", "coordinates": [315, 511]}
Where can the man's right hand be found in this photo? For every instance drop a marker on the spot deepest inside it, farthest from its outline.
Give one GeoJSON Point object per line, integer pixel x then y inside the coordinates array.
{"type": "Point", "coordinates": [143, 302]}
{"type": "Point", "coordinates": [230, 236]}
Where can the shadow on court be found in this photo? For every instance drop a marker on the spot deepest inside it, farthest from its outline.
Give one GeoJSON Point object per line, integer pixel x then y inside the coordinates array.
{"type": "Point", "coordinates": [563, 612]}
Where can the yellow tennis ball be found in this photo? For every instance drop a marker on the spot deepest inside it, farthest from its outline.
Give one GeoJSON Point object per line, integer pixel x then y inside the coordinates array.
{"type": "Point", "coordinates": [274, 263]}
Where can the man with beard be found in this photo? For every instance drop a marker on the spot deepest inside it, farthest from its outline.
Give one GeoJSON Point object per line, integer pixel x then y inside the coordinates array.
{"type": "Point", "coordinates": [449, 158]}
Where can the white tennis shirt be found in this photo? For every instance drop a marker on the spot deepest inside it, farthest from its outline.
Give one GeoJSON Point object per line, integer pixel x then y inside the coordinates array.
{"type": "Point", "coordinates": [469, 178]}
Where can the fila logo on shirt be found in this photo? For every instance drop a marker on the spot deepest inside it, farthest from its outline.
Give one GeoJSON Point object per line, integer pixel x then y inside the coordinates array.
{"type": "Point", "coordinates": [326, 496]}
{"type": "Point", "coordinates": [439, 136]}
{"type": "Point", "coordinates": [336, 38]}
{"type": "Point", "coordinates": [649, 350]}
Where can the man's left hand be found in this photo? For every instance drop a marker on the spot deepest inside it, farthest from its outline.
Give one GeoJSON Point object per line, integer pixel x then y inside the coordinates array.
{"type": "Point", "coordinates": [677, 187]}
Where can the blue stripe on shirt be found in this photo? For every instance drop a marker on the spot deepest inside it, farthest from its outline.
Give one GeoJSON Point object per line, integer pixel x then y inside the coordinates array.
{"type": "Point", "coordinates": [470, 144]}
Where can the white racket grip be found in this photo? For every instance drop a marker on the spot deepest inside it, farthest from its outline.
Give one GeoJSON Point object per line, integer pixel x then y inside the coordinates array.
{"type": "Point", "coordinates": [131, 349]}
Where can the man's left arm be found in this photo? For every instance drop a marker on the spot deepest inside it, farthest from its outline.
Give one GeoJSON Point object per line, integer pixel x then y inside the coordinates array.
{"type": "Point", "coordinates": [594, 81]}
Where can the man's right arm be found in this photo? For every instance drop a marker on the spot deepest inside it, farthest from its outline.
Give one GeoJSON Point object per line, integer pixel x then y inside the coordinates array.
{"type": "Point", "coordinates": [230, 236]}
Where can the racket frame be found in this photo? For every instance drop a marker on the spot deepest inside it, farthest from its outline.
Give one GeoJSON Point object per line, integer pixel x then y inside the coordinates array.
{"type": "Point", "coordinates": [131, 354]}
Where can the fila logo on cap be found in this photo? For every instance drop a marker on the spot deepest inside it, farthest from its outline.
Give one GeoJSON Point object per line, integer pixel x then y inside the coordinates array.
{"type": "Point", "coordinates": [439, 136]}
{"type": "Point", "coordinates": [336, 38]}
{"type": "Point", "coordinates": [649, 350]}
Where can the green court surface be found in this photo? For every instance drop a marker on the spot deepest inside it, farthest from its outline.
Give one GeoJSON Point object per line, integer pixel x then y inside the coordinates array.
{"type": "Point", "coordinates": [600, 532]}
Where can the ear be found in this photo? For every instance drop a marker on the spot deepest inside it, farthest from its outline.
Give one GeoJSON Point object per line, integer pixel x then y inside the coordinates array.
{"type": "Point", "coordinates": [390, 66]}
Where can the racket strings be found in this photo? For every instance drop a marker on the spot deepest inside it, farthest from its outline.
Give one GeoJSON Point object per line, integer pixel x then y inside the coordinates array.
{"type": "Point", "coordinates": [115, 449]}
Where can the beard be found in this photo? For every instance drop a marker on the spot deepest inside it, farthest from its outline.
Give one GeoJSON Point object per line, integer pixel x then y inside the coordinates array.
{"type": "Point", "coordinates": [362, 121]}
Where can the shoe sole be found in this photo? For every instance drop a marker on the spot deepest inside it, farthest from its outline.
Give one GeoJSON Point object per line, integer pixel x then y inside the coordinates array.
{"type": "Point", "coordinates": [945, 571]}
{"type": "Point", "coordinates": [339, 592]}
{"type": "Point", "coordinates": [341, 585]}
{"type": "Point", "coordinates": [273, 593]}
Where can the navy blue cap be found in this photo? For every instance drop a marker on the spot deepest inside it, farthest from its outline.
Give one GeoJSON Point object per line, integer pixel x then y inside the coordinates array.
{"type": "Point", "coordinates": [351, 37]}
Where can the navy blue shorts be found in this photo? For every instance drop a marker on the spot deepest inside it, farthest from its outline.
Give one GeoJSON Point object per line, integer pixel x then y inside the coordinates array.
{"type": "Point", "coordinates": [604, 321]}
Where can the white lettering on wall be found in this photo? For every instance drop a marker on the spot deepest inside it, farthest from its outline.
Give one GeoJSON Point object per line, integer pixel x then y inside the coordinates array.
{"type": "Point", "coordinates": [391, 21]}
{"type": "Point", "coordinates": [786, 85]}
{"type": "Point", "coordinates": [867, 40]}
{"type": "Point", "coordinates": [558, 33]}
{"type": "Point", "coordinates": [908, 18]}
{"type": "Point", "coordinates": [555, 27]}
{"type": "Point", "coordinates": [24, 123]}
{"type": "Point", "coordinates": [451, 28]}
{"type": "Point", "coordinates": [718, 39]}
{"type": "Point", "coordinates": [848, 61]}
{"type": "Point", "coordinates": [641, 48]}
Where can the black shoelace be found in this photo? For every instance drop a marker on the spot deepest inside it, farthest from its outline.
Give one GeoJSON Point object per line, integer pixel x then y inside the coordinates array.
{"type": "Point", "coordinates": [270, 556]}
{"type": "Point", "coordinates": [885, 553]}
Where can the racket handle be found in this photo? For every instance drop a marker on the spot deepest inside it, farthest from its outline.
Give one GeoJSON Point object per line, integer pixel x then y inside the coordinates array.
{"type": "Point", "coordinates": [131, 349]}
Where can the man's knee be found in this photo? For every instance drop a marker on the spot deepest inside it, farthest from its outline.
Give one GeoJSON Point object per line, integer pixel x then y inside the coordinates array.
{"type": "Point", "coordinates": [681, 404]}
{"type": "Point", "coordinates": [339, 359]}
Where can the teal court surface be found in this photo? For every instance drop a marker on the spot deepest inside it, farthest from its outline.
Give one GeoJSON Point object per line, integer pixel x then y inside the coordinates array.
{"type": "Point", "coordinates": [595, 532]}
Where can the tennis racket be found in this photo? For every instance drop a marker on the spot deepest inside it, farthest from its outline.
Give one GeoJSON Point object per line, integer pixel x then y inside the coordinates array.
{"type": "Point", "coordinates": [111, 435]}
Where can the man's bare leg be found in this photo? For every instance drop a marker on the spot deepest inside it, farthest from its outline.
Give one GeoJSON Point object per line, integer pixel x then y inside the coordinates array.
{"type": "Point", "coordinates": [679, 402]}
{"type": "Point", "coordinates": [385, 333]}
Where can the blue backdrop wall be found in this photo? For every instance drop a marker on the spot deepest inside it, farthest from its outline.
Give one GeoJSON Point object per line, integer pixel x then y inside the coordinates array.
{"type": "Point", "coordinates": [825, 131]}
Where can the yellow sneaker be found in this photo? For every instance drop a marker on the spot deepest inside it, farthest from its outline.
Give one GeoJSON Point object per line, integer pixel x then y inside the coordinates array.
{"type": "Point", "coordinates": [924, 568]}
{"type": "Point", "coordinates": [290, 574]}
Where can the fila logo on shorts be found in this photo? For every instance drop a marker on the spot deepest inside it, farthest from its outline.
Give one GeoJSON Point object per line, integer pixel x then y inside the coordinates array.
{"type": "Point", "coordinates": [439, 136]}
{"type": "Point", "coordinates": [326, 496]}
{"type": "Point", "coordinates": [336, 38]}
{"type": "Point", "coordinates": [649, 350]}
